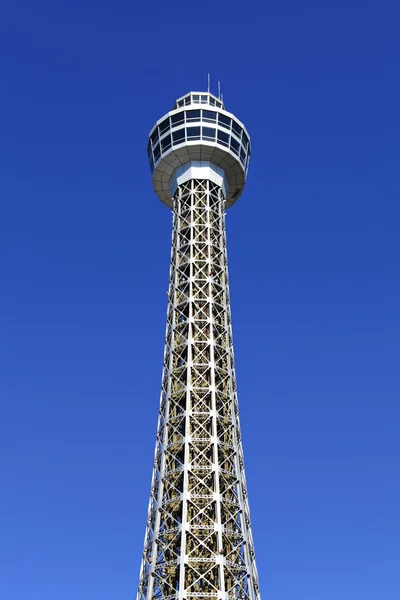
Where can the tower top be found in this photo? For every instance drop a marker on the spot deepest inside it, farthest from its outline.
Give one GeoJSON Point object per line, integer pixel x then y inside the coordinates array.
{"type": "Point", "coordinates": [196, 98]}
{"type": "Point", "coordinates": [197, 133]}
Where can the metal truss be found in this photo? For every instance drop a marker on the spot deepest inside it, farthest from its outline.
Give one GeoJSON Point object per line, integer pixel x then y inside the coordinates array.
{"type": "Point", "coordinates": [198, 541]}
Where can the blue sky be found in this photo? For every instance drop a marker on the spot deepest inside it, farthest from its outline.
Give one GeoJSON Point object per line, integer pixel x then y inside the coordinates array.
{"type": "Point", "coordinates": [314, 265]}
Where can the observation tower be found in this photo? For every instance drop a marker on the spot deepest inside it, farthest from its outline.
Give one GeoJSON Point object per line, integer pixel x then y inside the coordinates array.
{"type": "Point", "coordinates": [198, 541]}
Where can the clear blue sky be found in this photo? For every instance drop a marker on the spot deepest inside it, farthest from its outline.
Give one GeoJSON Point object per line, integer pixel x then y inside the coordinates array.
{"type": "Point", "coordinates": [314, 263]}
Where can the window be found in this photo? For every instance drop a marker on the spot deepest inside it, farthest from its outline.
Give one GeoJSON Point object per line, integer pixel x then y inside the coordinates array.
{"type": "Point", "coordinates": [196, 99]}
{"type": "Point", "coordinates": [151, 164]}
{"type": "Point", "coordinates": [154, 136]}
{"type": "Point", "coordinates": [208, 133]}
{"type": "Point", "coordinates": [204, 99]}
{"type": "Point", "coordinates": [192, 115]}
{"type": "Point", "coordinates": [224, 121]}
{"type": "Point", "coordinates": [212, 101]}
{"type": "Point", "coordinates": [177, 119]}
{"type": "Point", "coordinates": [223, 138]}
{"type": "Point", "coordinates": [245, 140]}
{"type": "Point", "coordinates": [234, 145]}
{"type": "Point", "coordinates": [209, 116]}
{"type": "Point", "coordinates": [164, 126]}
{"type": "Point", "coordinates": [236, 129]}
{"type": "Point", "coordinates": [242, 155]}
{"type": "Point", "coordinates": [157, 152]}
{"type": "Point", "coordinates": [149, 154]}
{"type": "Point", "coordinates": [193, 133]}
{"type": "Point", "coordinates": [166, 142]}
{"type": "Point", "coordinates": [178, 136]}
{"type": "Point", "coordinates": [187, 100]}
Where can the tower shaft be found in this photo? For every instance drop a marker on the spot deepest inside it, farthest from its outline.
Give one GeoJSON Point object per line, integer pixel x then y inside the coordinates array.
{"type": "Point", "coordinates": [198, 541]}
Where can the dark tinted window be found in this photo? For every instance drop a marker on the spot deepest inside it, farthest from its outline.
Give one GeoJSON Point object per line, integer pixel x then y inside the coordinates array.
{"type": "Point", "coordinates": [208, 133]}
{"type": "Point", "coordinates": [236, 129]}
{"type": "Point", "coordinates": [178, 136]}
{"type": "Point", "coordinates": [245, 140]}
{"type": "Point", "coordinates": [193, 133]}
{"type": "Point", "coordinates": [164, 126]}
{"type": "Point", "coordinates": [210, 116]}
{"type": "Point", "coordinates": [154, 136]}
{"type": "Point", "coordinates": [234, 145]}
{"type": "Point", "coordinates": [224, 121]}
{"type": "Point", "coordinates": [157, 152]}
{"type": "Point", "coordinates": [166, 142]}
{"type": "Point", "coordinates": [242, 155]}
{"type": "Point", "coordinates": [177, 119]}
{"type": "Point", "coordinates": [223, 138]}
{"type": "Point", "coordinates": [192, 115]}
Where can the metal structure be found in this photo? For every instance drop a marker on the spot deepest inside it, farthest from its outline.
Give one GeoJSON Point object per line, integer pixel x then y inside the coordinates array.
{"type": "Point", "coordinates": [198, 541]}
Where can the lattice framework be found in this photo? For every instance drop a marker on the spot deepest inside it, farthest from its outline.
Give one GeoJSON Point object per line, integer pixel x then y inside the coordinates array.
{"type": "Point", "coordinates": [198, 541]}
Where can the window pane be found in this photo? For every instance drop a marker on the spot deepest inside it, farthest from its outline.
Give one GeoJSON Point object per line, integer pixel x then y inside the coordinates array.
{"type": "Point", "coordinates": [187, 100]}
{"type": "Point", "coordinates": [236, 129]}
{"type": "Point", "coordinates": [154, 136]}
{"type": "Point", "coordinates": [212, 101]}
{"type": "Point", "coordinates": [177, 119]}
{"type": "Point", "coordinates": [164, 126]}
{"type": "Point", "coordinates": [193, 133]}
{"type": "Point", "coordinates": [245, 140]}
{"type": "Point", "coordinates": [204, 100]}
{"type": "Point", "coordinates": [166, 142]}
{"type": "Point", "coordinates": [234, 145]}
{"type": "Point", "coordinates": [178, 136]}
{"type": "Point", "coordinates": [196, 99]}
{"type": "Point", "coordinates": [208, 133]}
{"type": "Point", "coordinates": [192, 115]}
{"type": "Point", "coordinates": [210, 116]}
{"type": "Point", "coordinates": [149, 153]}
{"type": "Point", "coordinates": [224, 121]}
{"type": "Point", "coordinates": [242, 154]}
{"type": "Point", "coordinates": [223, 138]}
{"type": "Point", "coordinates": [157, 152]}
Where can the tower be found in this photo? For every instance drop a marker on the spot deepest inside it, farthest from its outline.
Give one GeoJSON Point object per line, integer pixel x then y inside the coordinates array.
{"type": "Point", "coordinates": [198, 541]}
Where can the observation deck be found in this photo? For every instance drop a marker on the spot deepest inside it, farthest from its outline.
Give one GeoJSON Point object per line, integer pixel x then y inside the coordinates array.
{"type": "Point", "coordinates": [199, 134]}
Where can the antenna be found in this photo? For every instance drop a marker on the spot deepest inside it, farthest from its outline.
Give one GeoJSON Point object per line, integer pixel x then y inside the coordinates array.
{"type": "Point", "coordinates": [208, 86]}
{"type": "Point", "coordinates": [219, 90]}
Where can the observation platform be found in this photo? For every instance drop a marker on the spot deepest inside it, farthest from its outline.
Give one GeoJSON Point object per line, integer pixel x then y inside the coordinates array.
{"type": "Point", "coordinates": [198, 133]}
